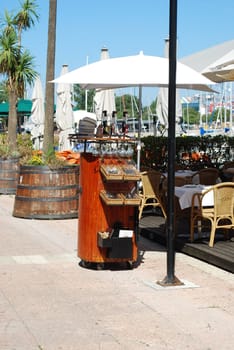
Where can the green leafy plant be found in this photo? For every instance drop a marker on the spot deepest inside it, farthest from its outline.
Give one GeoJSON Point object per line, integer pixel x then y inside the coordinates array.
{"type": "Point", "coordinates": [199, 152]}
{"type": "Point", "coordinates": [24, 147]}
{"type": "Point", "coordinates": [38, 158]}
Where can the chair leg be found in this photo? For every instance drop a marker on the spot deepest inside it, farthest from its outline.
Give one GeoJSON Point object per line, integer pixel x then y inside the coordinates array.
{"type": "Point", "coordinates": [192, 218]}
{"type": "Point", "coordinates": [141, 209]}
{"type": "Point", "coordinates": [191, 229]}
{"type": "Point", "coordinates": [163, 211]}
{"type": "Point", "coordinates": [140, 213]}
{"type": "Point", "coordinates": [199, 228]}
{"type": "Point", "coordinates": [212, 236]}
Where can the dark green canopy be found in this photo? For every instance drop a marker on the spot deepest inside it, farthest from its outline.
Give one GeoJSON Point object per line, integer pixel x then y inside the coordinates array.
{"type": "Point", "coordinates": [24, 108]}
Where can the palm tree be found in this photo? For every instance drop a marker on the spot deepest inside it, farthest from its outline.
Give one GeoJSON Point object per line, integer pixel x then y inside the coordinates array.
{"type": "Point", "coordinates": [17, 66]}
{"type": "Point", "coordinates": [8, 23]}
{"type": "Point", "coordinates": [24, 19]}
{"type": "Point", "coordinates": [50, 69]}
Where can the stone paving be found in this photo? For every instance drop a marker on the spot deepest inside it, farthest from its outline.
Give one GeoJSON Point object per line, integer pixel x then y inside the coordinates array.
{"type": "Point", "coordinates": [49, 302]}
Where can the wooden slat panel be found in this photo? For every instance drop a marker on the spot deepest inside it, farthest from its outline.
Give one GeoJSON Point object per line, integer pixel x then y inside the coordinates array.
{"type": "Point", "coordinates": [221, 255]}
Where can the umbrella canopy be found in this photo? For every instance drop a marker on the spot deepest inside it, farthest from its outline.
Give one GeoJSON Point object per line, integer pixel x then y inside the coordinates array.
{"type": "Point", "coordinates": [162, 108]}
{"type": "Point", "coordinates": [162, 104]}
{"type": "Point", "coordinates": [202, 59]}
{"type": "Point", "coordinates": [37, 113]}
{"type": "Point", "coordinates": [138, 70]}
{"type": "Point", "coordinates": [104, 99]}
{"type": "Point", "coordinates": [221, 70]}
{"type": "Point", "coordinates": [64, 112]}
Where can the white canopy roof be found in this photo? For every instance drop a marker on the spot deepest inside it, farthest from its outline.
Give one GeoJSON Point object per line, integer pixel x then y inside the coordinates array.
{"type": "Point", "coordinates": [138, 70]}
{"type": "Point", "coordinates": [205, 58]}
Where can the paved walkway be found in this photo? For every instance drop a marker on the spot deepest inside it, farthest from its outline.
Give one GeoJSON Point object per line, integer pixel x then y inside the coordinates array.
{"type": "Point", "coordinates": [49, 302]}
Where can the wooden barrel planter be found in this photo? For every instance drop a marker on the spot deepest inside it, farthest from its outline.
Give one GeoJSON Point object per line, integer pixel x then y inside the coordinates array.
{"type": "Point", "coordinates": [9, 175]}
{"type": "Point", "coordinates": [44, 193]}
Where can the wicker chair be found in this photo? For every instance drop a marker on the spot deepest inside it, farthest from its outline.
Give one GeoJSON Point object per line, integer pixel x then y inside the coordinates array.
{"type": "Point", "coordinates": [225, 175]}
{"type": "Point", "coordinates": [180, 181]}
{"type": "Point", "coordinates": [228, 164]}
{"type": "Point", "coordinates": [221, 215]}
{"type": "Point", "coordinates": [208, 176]}
{"type": "Point", "coordinates": [151, 191]}
{"type": "Point", "coordinates": [179, 213]}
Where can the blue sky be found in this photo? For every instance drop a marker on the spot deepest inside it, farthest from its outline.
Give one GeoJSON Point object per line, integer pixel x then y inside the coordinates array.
{"type": "Point", "coordinates": [125, 27]}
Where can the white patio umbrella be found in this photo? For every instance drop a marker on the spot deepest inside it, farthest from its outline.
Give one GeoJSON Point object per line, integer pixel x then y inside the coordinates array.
{"type": "Point", "coordinates": [205, 58]}
{"type": "Point", "coordinates": [37, 113]}
{"type": "Point", "coordinates": [221, 70]}
{"type": "Point", "coordinates": [139, 70]}
{"type": "Point", "coordinates": [162, 103]}
{"type": "Point", "coordinates": [162, 108]}
{"type": "Point", "coordinates": [104, 99]}
{"type": "Point", "coordinates": [64, 112]}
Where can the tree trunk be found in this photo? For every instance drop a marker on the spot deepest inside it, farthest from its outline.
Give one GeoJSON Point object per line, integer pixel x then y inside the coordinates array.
{"type": "Point", "coordinates": [12, 120]}
{"type": "Point", "coordinates": [50, 69]}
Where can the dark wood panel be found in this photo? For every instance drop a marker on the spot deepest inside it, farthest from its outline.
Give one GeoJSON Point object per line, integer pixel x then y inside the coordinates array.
{"type": "Point", "coordinates": [221, 255]}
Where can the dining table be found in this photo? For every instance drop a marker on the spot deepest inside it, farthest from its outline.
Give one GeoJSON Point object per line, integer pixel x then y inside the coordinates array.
{"type": "Point", "coordinates": [229, 171]}
{"type": "Point", "coordinates": [187, 174]}
{"type": "Point", "coordinates": [185, 194]}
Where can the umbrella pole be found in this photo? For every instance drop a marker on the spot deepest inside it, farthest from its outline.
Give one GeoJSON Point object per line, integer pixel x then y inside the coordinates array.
{"type": "Point", "coordinates": [171, 279]}
{"type": "Point", "coordinates": [139, 129]}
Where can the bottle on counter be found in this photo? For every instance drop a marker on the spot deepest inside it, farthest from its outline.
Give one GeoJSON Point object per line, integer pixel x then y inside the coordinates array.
{"type": "Point", "coordinates": [113, 128]}
{"type": "Point", "coordinates": [99, 132]}
{"type": "Point", "coordinates": [124, 123]}
{"type": "Point", "coordinates": [104, 123]}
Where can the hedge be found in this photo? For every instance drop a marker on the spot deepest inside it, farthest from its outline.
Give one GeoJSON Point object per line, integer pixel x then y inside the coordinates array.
{"type": "Point", "coordinates": [192, 152]}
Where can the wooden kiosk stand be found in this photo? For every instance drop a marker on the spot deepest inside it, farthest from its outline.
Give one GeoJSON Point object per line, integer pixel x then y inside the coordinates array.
{"type": "Point", "coordinates": [108, 204]}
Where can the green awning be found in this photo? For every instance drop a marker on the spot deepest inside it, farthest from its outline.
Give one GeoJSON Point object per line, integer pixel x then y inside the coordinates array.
{"type": "Point", "coordinates": [24, 107]}
{"type": "Point", "coordinates": [4, 109]}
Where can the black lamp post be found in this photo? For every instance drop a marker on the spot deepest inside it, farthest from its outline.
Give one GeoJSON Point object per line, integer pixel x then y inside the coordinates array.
{"type": "Point", "coordinates": [170, 278]}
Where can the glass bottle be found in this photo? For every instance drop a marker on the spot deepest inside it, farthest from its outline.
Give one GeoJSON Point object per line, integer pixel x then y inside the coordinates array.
{"type": "Point", "coordinates": [113, 124]}
{"type": "Point", "coordinates": [124, 123]}
{"type": "Point", "coordinates": [104, 122]}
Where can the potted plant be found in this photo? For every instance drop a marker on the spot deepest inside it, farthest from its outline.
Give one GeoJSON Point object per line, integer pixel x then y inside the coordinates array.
{"type": "Point", "coordinates": [10, 161]}
{"type": "Point", "coordinates": [48, 186]}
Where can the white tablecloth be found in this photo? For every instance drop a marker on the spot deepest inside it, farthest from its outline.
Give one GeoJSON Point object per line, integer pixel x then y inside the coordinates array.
{"type": "Point", "coordinates": [185, 194]}
{"type": "Point", "coordinates": [183, 173]}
